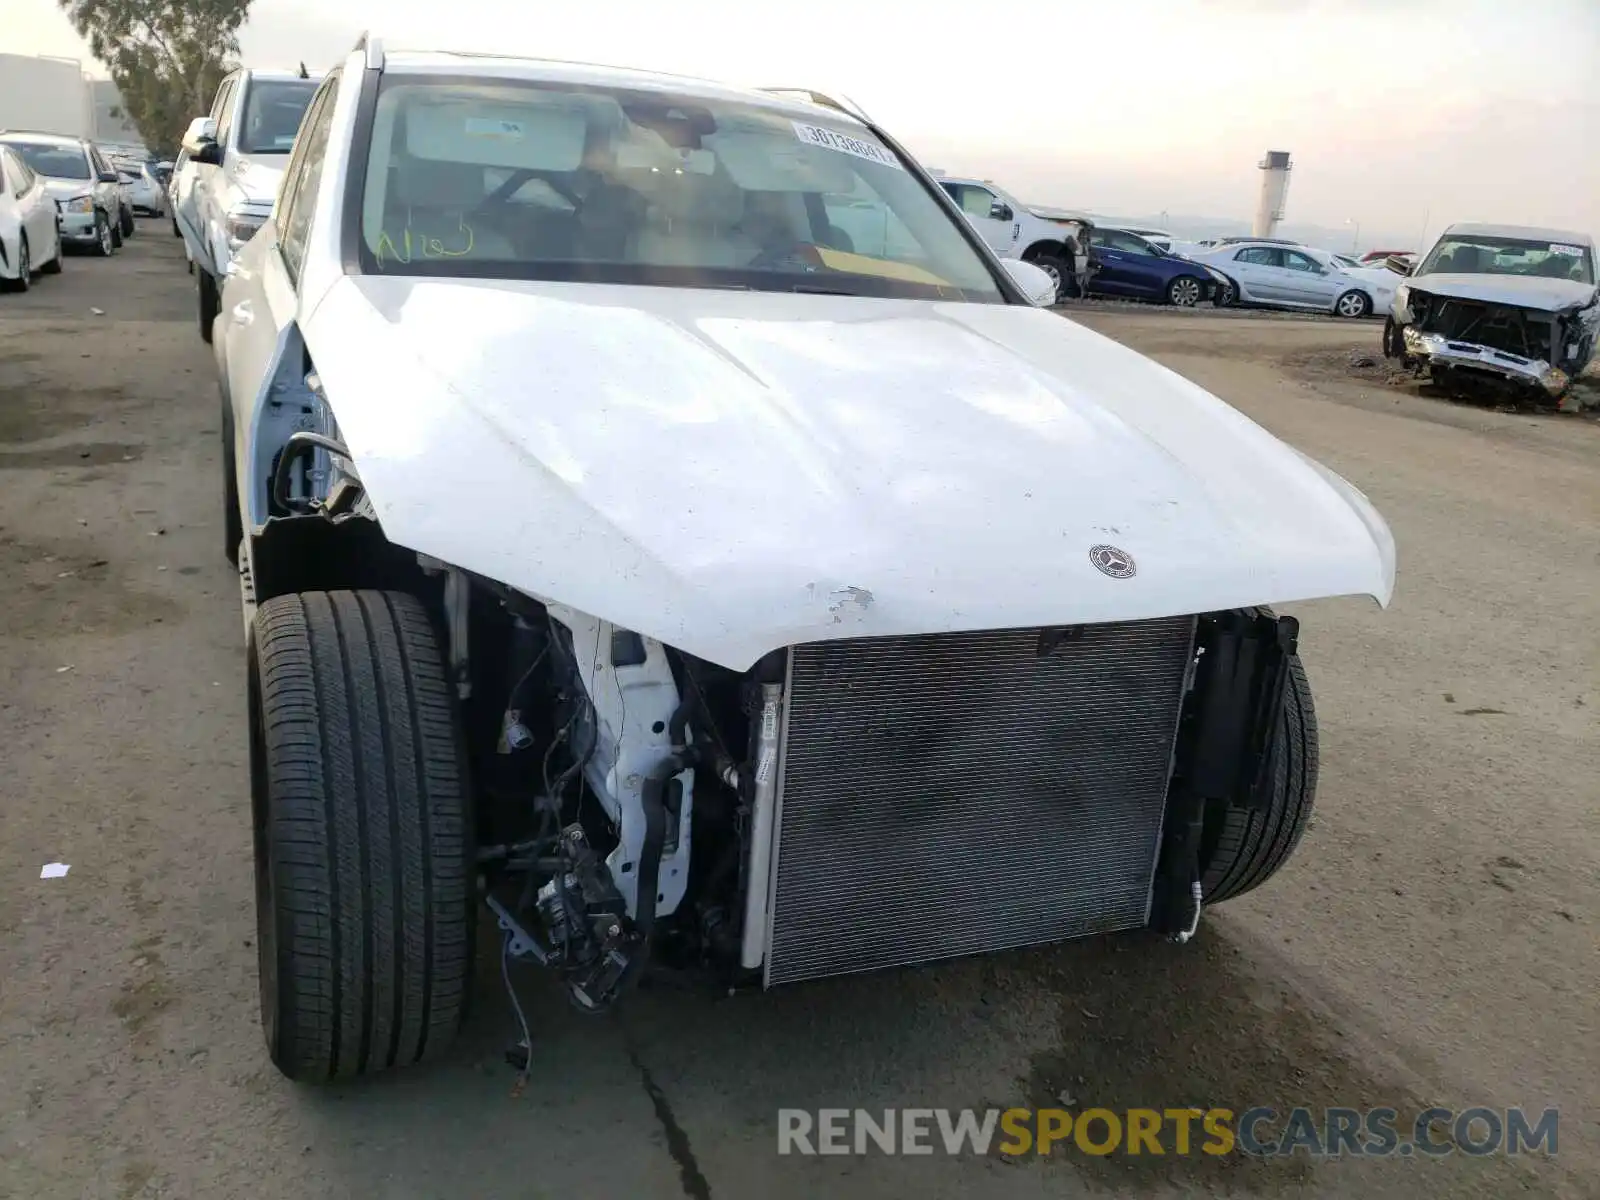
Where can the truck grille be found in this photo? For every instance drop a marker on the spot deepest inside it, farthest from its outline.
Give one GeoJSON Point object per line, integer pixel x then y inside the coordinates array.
{"type": "Point", "coordinates": [960, 793]}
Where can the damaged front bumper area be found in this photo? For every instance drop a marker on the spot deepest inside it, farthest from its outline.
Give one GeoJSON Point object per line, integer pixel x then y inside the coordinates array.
{"type": "Point", "coordinates": [1442, 353]}
{"type": "Point", "coordinates": [1530, 353]}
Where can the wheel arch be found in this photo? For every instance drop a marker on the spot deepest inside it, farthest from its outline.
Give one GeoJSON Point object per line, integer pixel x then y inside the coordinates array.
{"type": "Point", "coordinates": [1054, 248]}
{"type": "Point", "coordinates": [313, 553]}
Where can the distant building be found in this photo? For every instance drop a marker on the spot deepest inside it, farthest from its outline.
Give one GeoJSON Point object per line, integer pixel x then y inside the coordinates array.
{"type": "Point", "coordinates": [50, 95]}
{"type": "Point", "coordinates": [53, 95]}
{"type": "Point", "coordinates": [117, 129]}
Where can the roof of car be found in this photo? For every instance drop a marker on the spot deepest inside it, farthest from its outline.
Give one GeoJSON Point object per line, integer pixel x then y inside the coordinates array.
{"type": "Point", "coordinates": [276, 74]}
{"type": "Point", "coordinates": [60, 139]}
{"type": "Point", "coordinates": [448, 62]}
{"type": "Point", "coordinates": [1534, 233]}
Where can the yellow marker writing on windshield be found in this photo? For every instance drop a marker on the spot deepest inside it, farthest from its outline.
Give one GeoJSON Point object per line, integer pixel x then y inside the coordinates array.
{"type": "Point", "coordinates": [429, 247]}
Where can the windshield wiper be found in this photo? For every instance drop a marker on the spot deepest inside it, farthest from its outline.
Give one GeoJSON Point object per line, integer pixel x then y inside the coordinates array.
{"type": "Point", "coordinates": [811, 289]}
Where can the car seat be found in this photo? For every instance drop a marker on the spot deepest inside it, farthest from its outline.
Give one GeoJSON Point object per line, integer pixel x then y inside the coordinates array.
{"type": "Point", "coordinates": [691, 223]}
{"type": "Point", "coordinates": [430, 214]}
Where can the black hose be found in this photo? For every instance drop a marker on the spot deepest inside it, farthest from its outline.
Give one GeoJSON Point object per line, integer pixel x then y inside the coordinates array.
{"type": "Point", "coordinates": [293, 448]}
{"type": "Point", "coordinates": [678, 724]}
{"type": "Point", "coordinates": [652, 799]}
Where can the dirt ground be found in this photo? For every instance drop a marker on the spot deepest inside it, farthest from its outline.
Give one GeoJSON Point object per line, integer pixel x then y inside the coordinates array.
{"type": "Point", "coordinates": [1433, 941]}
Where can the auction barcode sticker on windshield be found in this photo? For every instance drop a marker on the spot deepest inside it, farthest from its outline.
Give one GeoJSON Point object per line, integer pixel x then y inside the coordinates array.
{"type": "Point", "coordinates": [816, 135]}
{"type": "Point", "coordinates": [1568, 251]}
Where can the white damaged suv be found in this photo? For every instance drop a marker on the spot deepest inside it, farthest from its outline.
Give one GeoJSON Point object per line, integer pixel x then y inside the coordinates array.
{"type": "Point", "coordinates": [634, 550]}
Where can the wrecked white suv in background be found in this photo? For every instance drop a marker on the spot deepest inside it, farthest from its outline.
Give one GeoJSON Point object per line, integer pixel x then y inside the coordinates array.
{"type": "Point", "coordinates": [623, 546]}
{"type": "Point", "coordinates": [1507, 310]}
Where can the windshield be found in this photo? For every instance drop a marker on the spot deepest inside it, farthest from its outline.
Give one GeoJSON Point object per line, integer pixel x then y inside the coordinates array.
{"type": "Point", "coordinates": [1479, 254]}
{"type": "Point", "coordinates": [531, 181]}
{"type": "Point", "coordinates": [55, 162]}
{"type": "Point", "coordinates": [272, 112]}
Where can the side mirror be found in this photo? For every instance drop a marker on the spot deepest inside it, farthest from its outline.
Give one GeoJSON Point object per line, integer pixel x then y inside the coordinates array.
{"type": "Point", "coordinates": [200, 131]}
{"type": "Point", "coordinates": [1000, 211]}
{"type": "Point", "coordinates": [108, 177]}
{"type": "Point", "coordinates": [1398, 265]}
{"type": "Point", "coordinates": [1036, 283]}
{"type": "Point", "coordinates": [209, 153]}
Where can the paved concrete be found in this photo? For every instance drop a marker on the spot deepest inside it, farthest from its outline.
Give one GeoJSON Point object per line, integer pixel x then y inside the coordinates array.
{"type": "Point", "coordinates": [1433, 942]}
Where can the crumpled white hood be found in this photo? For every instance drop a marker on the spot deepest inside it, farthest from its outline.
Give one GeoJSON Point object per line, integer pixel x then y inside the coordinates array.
{"type": "Point", "coordinates": [732, 472]}
{"type": "Point", "coordinates": [1526, 291]}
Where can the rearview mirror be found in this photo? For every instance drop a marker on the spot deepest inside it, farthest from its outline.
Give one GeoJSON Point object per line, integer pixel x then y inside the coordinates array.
{"type": "Point", "coordinates": [1035, 282]}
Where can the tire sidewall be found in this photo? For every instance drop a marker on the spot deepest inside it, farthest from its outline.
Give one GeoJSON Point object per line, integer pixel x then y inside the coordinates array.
{"type": "Point", "coordinates": [268, 940]}
{"type": "Point", "coordinates": [105, 245]}
{"type": "Point", "coordinates": [1363, 303]}
{"type": "Point", "coordinates": [1178, 284]}
{"type": "Point", "coordinates": [206, 301]}
{"type": "Point", "coordinates": [232, 519]}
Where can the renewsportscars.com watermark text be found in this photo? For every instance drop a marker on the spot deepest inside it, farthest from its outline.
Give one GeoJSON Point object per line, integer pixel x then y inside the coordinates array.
{"type": "Point", "coordinates": [1258, 1132]}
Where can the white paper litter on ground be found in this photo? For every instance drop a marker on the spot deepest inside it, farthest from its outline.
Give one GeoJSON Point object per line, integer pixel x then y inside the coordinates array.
{"type": "Point", "coordinates": [54, 871]}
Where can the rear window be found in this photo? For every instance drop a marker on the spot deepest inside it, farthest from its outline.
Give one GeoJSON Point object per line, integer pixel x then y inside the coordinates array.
{"type": "Point", "coordinates": [55, 162]}
{"type": "Point", "coordinates": [536, 181]}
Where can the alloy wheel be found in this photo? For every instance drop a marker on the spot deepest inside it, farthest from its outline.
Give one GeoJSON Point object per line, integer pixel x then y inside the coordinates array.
{"type": "Point", "coordinates": [1185, 293]}
{"type": "Point", "coordinates": [1352, 304]}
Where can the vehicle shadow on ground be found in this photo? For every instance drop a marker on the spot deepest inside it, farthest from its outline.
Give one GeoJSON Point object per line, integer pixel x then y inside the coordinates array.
{"type": "Point", "coordinates": [1116, 1023]}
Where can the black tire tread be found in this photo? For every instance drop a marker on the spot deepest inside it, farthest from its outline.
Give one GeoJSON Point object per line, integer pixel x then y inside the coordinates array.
{"type": "Point", "coordinates": [369, 828]}
{"type": "Point", "coordinates": [1253, 844]}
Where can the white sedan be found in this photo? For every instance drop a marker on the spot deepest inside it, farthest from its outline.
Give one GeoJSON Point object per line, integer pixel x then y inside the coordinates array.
{"type": "Point", "coordinates": [1283, 276]}
{"type": "Point", "coordinates": [30, 235]}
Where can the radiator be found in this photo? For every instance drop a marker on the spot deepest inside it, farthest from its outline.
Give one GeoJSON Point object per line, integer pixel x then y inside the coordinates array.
{"type": "Point", "coordinates": [963, 793]}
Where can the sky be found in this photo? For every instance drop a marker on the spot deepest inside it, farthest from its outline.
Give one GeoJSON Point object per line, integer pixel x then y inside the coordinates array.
{"type": "Point", "coordinates": [1398, 113]}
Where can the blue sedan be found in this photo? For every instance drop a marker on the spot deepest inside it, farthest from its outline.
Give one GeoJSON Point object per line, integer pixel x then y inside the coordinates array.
{"type": "Point", "coordinates": [1124, 264]}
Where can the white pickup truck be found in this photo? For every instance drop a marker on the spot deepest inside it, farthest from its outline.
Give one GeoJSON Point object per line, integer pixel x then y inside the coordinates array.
{"type": "Point", "coordinates": [234, 159]}
{"type": "Point", "coordinates": [1052, 239]}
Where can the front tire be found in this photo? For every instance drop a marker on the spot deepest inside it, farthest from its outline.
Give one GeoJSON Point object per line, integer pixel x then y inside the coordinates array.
{"type": "Point", "coordinates": [53, 267]}
{"type": "Point", "coordinates": [1185, 291]}
{"type": "Point", "coordinates": [205, 301]}
{"type": "Point", "coordinates": [1060, 270]}
{"type": "Point", "coordinates": [127, 223]}
{"type": "Point", "coordinates": [1244, 847]}
{"type": "Point", "coordinates": [232, 521]}
{"type": "Point", "coordinates": [1227, 295]}
{"type": "Point", "coordinates": [364, 898]}
{"type": "Point", "coordinates": [24, 279]}
{"type": "Point", "coordinates": [105, 243]}
{"type": "Point", "coordinates": [1353, 304]}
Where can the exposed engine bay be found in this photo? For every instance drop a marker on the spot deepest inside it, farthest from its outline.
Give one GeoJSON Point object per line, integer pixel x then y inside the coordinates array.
{"type": "Point", "coordinates": [848, 805]}
{"type": "Point", "coordinates": [1498, 347]}
{"type": "Point", "coordinates": [842, 805]}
